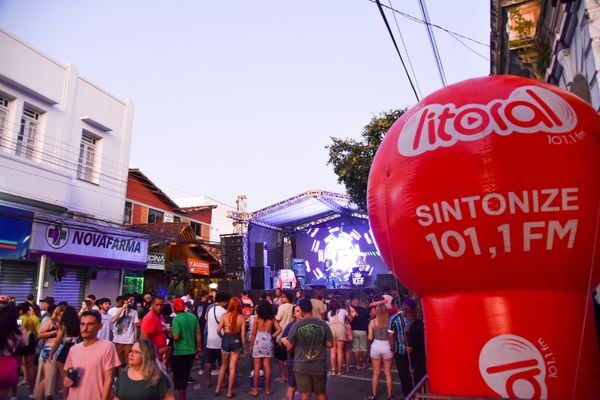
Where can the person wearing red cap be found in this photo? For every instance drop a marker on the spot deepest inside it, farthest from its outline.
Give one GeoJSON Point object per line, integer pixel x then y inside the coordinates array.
{"type": "Point", "coordinates": [187, 342]}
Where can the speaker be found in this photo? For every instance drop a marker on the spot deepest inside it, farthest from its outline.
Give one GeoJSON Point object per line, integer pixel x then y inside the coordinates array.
{"type": "Point", "coordinates": [260, 278]}
{"type": "Point", "coordinates": [260, 254]}
{"type": "Point", "coordinates": [234, 256]}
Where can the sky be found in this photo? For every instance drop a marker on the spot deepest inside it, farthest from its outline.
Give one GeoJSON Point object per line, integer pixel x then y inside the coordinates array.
{"type": "Point", "coordinates": [242, 97]}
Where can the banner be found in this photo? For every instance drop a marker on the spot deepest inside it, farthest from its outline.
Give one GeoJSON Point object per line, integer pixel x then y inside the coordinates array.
{"type": "Point", "coordinates": [198, 267]}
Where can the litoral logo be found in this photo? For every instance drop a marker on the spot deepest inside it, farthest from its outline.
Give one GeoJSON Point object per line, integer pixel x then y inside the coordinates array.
{"type": "Point", "coordinates": [513, 368]}
{"type": "Point", "coordinates": [57, 235]}
{"type": "Point", "coordinates": [528, 109]}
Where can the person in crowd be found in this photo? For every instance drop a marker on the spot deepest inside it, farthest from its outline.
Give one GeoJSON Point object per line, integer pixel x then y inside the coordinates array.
{"type": "Point", "coordinates": [86, 305]}
{"type": "Point", "coordinates": [397, 325]}
{"type": "Point", "coordinates": [144, 377]}
{"type": "Point", "coordinates": [45, 306]}
{"type": "Point", "coordinates": [247, 305]}
{"type": "Point", "coordinates": [92, 299]}
{"type": "Point", "coordinates": [299, 295]}
{"type": "Point", "coordinates": [94, 360]}
{"type": "Point", "coordinates": [153, 328]}
{"type": "Point", "coordinates": [282, 319]}
{"type": "Point", "coordinates": [188, 299]}
{"type": "Point", "coordinates": [187, 345]}
{"type": "Point", "coordinates": [319, 309]}
{"type": "Point", "coordinates": [45, 384]}
{"type": "Point", "coordinates": [200, 308]}
{"type": "Point", "coordinates": [145, 307]}
{"type": "Point", "coordinates": [381, 341]}
{"type": "Point", "coordinates": [68, 335]}
{"type": "Point", "coordinates": [214, 316]}
{"type": "Point", "coordinates": [350, 315]}
{"type": "Point", "coordinates": [232, 329]}
{"type": "Point", "coordinates": [360, 327]}
{"type": "Point", "coordinates": [261, 344]}
{"type": "Point", "coordinates": [289, 364]}
{"type": "Point", "coordinates": [125, 321]}
{"type": "Point", "coordinates": [277, 300]}
{"type": "Point", "coordinates": [31, 323]}
{"type": "Point", "coordinates": [36, 309]}
{"type": "Point", "coordinates": [309, 339]}
{"type": "Point", "coordinates": [106, 332]}
{"type": "Point", "coordinates": [415, 339]}
{"type": "Point", "coordinates": [167, 310]}
{"type": "Point", "coordinates": [11, 337]}
{"type": "Point", "coordinates": [337, 322]}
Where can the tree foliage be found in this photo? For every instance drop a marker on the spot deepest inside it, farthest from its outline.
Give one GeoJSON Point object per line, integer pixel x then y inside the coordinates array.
{"type": "Point", "coordinates": [351, 159]}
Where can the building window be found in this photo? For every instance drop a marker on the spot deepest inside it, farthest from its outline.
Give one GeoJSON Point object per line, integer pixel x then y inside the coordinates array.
{"type": "Point", "coordinates": [26, 140]}
{"type": "Point", "coordinates": [128, 212]}
{"type": "Point", "coordinates": [87, 157]}
{"type": "Point", "coordinates": [3, 118]}
{"type": "Point", "coordinates": [197, 228]}
{"type": "Point", "coordinates": [176, 219]}
{"type": "Point", "coordinates": [155, 216]}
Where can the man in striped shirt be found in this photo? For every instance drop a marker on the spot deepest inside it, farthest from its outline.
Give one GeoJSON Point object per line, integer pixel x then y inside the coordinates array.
{"type": "Point", "coordinates": [397, 326]}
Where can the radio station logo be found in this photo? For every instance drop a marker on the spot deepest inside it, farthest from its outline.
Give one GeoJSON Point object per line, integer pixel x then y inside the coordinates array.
{"type": "Point", "coordinates": [527, 110]}
{"type": "Point", "coordinates": [513, 368]}
{"type": "Point", "coordinates": [57, 235]}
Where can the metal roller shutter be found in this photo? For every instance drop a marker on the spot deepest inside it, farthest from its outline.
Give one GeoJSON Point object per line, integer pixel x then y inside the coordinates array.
{"type": "Point", "coordinates": [18, 280]}
{"type": "Point", "coordinates": [71, 287]}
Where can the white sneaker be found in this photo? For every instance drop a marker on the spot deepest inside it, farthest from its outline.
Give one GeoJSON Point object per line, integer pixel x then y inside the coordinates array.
{"type": "Point", "coordinates": [214, 372]}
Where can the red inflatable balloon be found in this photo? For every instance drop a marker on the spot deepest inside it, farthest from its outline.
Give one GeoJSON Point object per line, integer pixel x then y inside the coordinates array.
{"type": "Point", "coordinates": [484, 200]}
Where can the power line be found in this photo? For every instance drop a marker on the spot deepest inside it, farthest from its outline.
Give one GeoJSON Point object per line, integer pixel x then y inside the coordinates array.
{"type": "Point", "coordinates": [379, 6]}
{"type": "Point", "coordinates": [415, 19]}
{"type": "Point", "coordinates": [412, 70]}
{"type": "Point", "coordinates": [433, 43]}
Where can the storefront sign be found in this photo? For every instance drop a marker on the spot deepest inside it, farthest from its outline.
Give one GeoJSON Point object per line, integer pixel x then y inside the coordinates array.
{"type": "Point", "coordinates": [156, 261]}
{"type": "Point", "coordinates": [15, 231]}
{"type": "Point", "coordinates": [87, 242]}
{"type": "Point", "coordinates": [198, 267]}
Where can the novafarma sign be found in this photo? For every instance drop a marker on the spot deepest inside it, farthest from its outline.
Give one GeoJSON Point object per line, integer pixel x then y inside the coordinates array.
{"type": "Point", "coordinates": [76, 238]}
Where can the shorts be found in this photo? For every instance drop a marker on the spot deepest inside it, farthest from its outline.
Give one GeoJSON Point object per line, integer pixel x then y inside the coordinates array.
{"type": "Point", "coordinates": [308, 383]}
{"type": "Point", "coordinates": [181, 367]}
{"type": "Point", "coordinates": [9, 372]}
{"type": "Point", "coordinates": [339, 331]}
{"type": "Point", "coordinates": [381, 349]}
{"type": "Point", "coordinates": [359, 341]}
{"type": "Point", "coordinates": [212, 355]}
{"type": "Point", "coordinates": [231, 342]}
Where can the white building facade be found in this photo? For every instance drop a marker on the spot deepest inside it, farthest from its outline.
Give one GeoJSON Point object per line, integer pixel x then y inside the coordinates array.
{"type": "Point", "coordinates": [64, 156]}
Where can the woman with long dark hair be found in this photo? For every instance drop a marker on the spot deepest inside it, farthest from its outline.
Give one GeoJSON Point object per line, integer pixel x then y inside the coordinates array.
{"type": "Point", "coordinates": [261, 344]}
{"type": "Point", "coordinates": [68, 335]}
{"type": "Point", "coordinates": [144, 377]}
{"type": "Point", "coordinates": [233, 326]}
{"type": "Point", "coordinates": [31, 323]}
{"type": "Point", "coordinates": [337, 322]}
{"type": "Point", "coordinates": [11, 337]}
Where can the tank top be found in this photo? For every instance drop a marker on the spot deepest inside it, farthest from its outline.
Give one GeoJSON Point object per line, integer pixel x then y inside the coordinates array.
{"type": "Point", "coordinates": [379, 333]}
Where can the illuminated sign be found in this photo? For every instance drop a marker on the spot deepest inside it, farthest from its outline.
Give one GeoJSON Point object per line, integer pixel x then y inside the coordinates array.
{"type": "Point", "coordinates": [198, 267]}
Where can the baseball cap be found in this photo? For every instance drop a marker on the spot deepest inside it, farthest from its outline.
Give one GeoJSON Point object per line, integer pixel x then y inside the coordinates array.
{"type": "Point", "coordinates": [178, 305]}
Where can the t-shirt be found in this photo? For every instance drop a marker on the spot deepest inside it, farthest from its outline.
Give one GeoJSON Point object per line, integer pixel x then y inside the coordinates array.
{"type": "Point", "coordinates": [104, 332]}
{"type": "Point", "coordinates": [128, 389]}
{"type": "Point", "coordinates": [213, 317]}
{"type": "Point", "coordinates": [247, 307]}
{"type": "Point", "coordinates": [309, 337]}
{"type": "Point", "coordinates": [185, 324]}
{"type": "Point", "coordinates": [124, 328]}
{"type": "Point", "coordinates": [153, 326]}
{"type": "Point", "coordinates": [285, 333]}
{"type": "Point", "coordinates": [318, 307]}
{"type": "Point", "coordinates": [284, 316]}
{"type": "Point", "coordinates": [361, 320]}
{"type": "Point", "coordinates": [91, 361]}
{"type": "Point", "coordinates": [340, 315]}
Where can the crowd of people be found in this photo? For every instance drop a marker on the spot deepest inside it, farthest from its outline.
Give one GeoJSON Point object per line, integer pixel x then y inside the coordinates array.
{"type": "Point", "coordinates": [145, 348]}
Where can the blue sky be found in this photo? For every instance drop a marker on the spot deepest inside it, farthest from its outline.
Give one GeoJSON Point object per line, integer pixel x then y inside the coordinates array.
{"type": "Point", "coordinates": [241, 97]}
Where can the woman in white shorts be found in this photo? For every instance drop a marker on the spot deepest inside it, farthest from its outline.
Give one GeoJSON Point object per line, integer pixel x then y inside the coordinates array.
{"type": "Point", "coordinates": [381, 349]}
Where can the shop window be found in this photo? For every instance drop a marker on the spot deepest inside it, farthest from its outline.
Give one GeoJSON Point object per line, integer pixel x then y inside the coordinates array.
{"type": "Point", "coordinates": [128, 213]}
{"type": "Point", "coordinates": [28, 134]}
{"type": "Point", "coordinates": [155, 216]}
{"type": "Point", "coordinates": [3, 119]}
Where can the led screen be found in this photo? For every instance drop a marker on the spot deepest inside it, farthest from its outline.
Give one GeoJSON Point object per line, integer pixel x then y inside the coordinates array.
{"type": "Point", "coordinates": [337, 248]}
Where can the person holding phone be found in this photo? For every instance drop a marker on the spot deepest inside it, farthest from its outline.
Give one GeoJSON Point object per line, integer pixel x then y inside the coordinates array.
{"type": "Point", "coordinates": [125, 321]}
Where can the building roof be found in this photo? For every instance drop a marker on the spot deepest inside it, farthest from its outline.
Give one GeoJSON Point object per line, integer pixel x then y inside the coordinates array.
{"type": "Point", "coordinates": [165, 232]}
{"type": "Point", "coordinates": [136, 172]}
{"type": "Point", "coordinates": [309, 208]}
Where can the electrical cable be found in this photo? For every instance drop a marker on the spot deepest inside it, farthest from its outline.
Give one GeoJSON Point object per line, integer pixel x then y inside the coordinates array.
{"type": "Point", "coordinates": [433, 43]}
{"type": "Point", "coordinates": [412, 70]}
{"type": "Point", "coordinates": [379, 6]}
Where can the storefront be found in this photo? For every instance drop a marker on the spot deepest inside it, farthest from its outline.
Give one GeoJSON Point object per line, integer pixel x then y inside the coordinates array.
{"type": "Point", "coordinates": [18, 276]}
{"type": "Point", "coordinates": [82, 258]}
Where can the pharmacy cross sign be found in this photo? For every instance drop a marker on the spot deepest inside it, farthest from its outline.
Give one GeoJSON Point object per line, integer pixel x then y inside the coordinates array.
{"type": "Point", "coordinates": [57, 235]}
